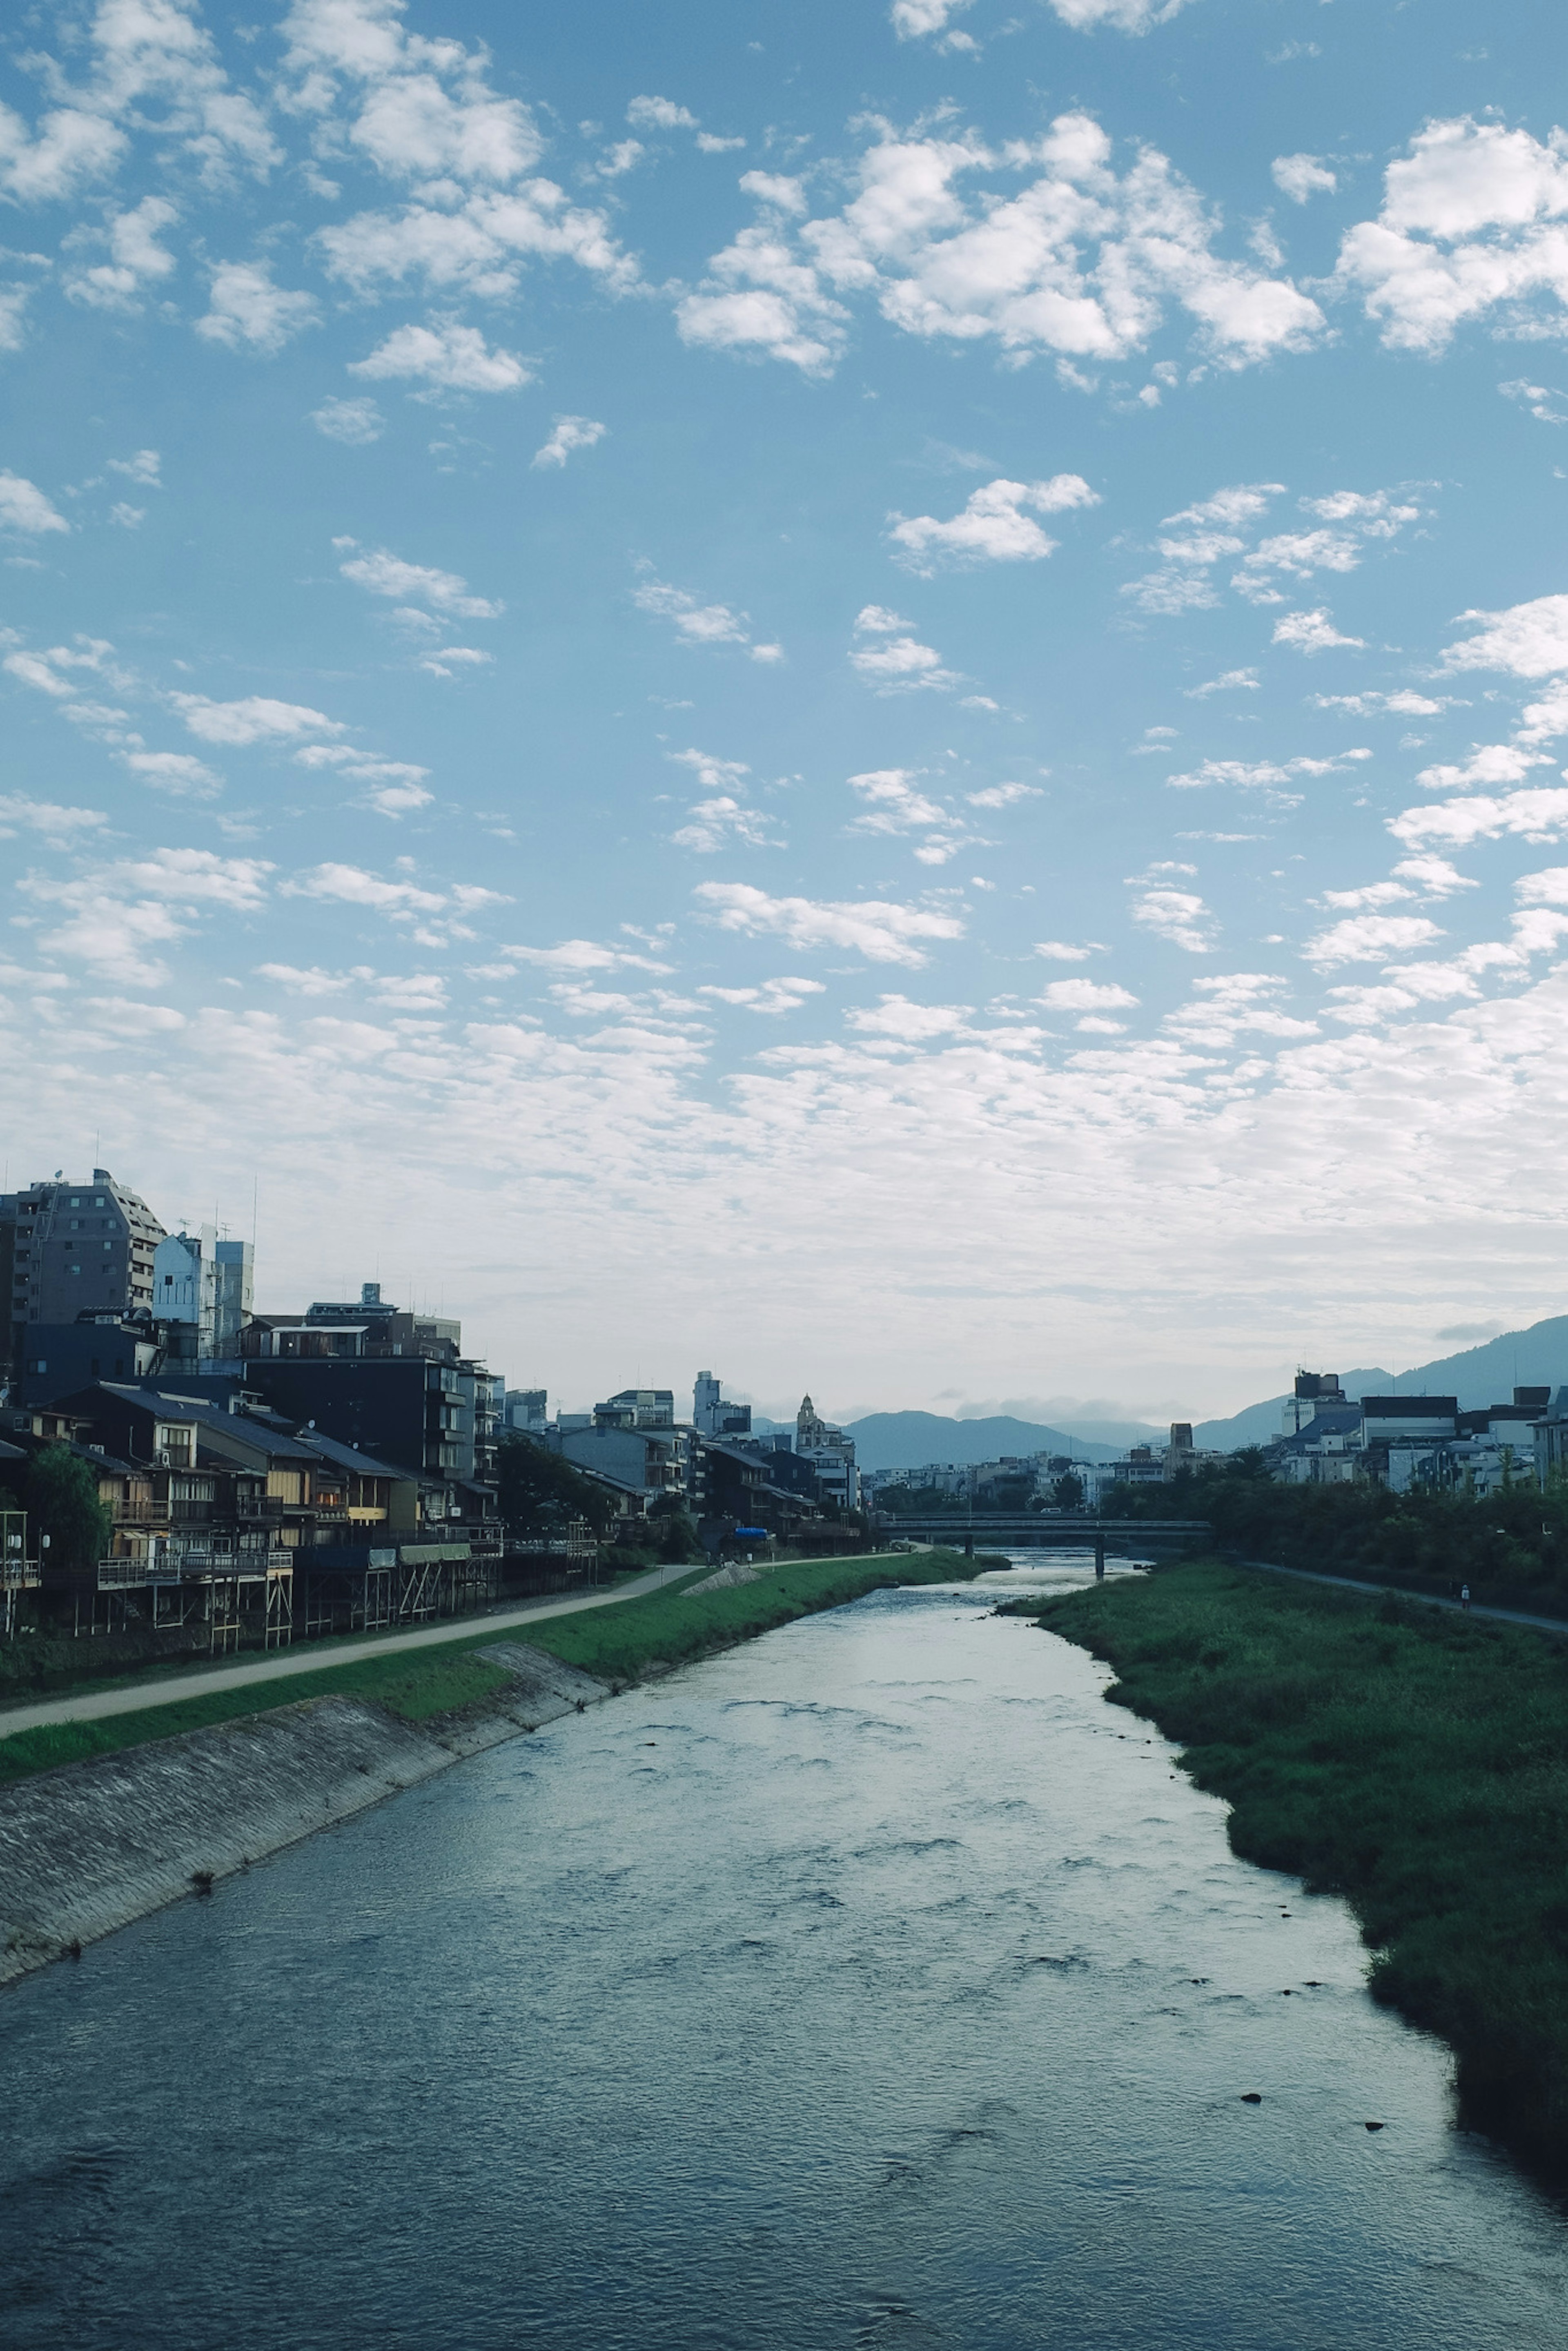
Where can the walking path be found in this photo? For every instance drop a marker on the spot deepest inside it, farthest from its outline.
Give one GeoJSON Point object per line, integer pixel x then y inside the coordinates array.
{"type": "Point", "coordinates": [90, 1706]}
{"type": "Point", "coordinates": [1352, 1583]}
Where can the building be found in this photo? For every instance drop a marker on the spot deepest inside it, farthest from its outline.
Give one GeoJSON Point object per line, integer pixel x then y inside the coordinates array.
{"type": "Point", "coordinates": [713, 1415]}
{"type": "Point", "coordinates": [830, 1453]}
{"type": "Point", "coordinates": [204, 1286]}
{"type": "Point", "coordinates": [1315, 1392]}
{"type": "Point", "coordinates": [524, 1411]}
{"type": "Point", "coordinates": [73, 1249]}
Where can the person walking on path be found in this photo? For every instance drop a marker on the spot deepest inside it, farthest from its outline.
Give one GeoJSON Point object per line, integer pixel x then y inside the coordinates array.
{"type": "Point", "coordinates": [1463, 1595]}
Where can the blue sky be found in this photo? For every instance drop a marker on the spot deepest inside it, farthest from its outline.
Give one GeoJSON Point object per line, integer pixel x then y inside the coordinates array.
{"type": "Point", "coordinates": [875, 696]}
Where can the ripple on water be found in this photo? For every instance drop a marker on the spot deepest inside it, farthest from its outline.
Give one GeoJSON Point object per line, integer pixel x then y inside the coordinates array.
{"type": "Point", "coordinates": [881, 2005]}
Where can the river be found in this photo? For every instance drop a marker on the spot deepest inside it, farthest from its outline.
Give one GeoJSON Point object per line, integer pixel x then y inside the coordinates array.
{"type": "Point", "coordinates": [872, 1985]}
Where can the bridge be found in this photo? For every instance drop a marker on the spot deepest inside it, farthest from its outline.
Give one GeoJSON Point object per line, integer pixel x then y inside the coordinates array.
{"type": "Point", "coordinates": [1045, 1531]}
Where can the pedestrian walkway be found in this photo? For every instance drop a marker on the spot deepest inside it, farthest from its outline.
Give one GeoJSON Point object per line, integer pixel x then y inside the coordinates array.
{"type": "Point", "coordinates": [1430, 1599]}
{"type": "Point", "coordinates": [92, 1706]}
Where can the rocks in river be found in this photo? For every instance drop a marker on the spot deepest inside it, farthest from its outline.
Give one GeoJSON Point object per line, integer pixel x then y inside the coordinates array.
{"type": "Point", "coordinates": [1251, 2097]}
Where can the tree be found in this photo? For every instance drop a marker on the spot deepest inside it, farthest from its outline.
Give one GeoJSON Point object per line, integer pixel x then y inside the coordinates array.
{"type": "Point", "coordinates": [539, 1493]}
{"type": "Point", "coordinates": [670, 1521]}
{"type": "Point", "coordinates": [1067, 1491]}
{"type": "Point", "coordinates": [61, 1498]}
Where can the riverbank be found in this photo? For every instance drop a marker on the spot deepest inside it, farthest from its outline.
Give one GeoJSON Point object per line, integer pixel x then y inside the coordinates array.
{"type": "Point", "coordinates": [108, 1819]}
{"type": "Point", "coordinates": [1413, 1761]}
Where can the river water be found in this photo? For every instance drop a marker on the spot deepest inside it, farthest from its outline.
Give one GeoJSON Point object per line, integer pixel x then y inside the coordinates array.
{"type": "Point", "coordinates": [872, 1985]}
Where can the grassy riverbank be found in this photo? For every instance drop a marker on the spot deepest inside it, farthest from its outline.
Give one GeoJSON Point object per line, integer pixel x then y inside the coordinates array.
{"type": "Point", "coordinates": [1413, 1760]}
{"type": "Point", "coordinates": [615, 1644]}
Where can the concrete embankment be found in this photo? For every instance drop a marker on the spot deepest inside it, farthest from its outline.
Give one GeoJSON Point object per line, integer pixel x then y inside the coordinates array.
{"type": "Point", "coordinates": [87, 1848]}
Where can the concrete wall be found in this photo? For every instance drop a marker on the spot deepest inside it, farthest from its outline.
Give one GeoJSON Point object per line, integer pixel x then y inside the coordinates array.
{"type": "Point", "coordinates": [89, 1847]}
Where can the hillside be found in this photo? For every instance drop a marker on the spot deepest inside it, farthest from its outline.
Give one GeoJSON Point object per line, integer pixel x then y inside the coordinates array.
{"type": "Point", "coordinates": [1536, 1357]}
{"type": "Point", "coordinates": [907, 1440]}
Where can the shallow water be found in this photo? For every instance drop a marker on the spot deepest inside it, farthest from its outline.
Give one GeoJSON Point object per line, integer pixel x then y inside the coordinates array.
{"type": "Point", "coordinates": [874, 1984]}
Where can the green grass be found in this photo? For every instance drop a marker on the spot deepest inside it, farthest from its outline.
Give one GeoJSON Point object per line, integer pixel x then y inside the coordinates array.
{"type": "Point", "coordinates": [613, 1643]}
{"type": "Point", "coordinates": [1413, 1760]}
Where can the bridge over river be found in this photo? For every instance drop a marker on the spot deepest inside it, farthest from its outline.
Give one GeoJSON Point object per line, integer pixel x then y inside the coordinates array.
{"type": "Point", "coordinates": [1046, 1530]}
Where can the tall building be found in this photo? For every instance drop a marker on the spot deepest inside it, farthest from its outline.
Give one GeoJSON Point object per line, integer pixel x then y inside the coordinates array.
{"type": "Point", "coordinates": [205, 1285]}
{"type": "Point", "coordinates": [712, 1412]}
{"type": "Point", "coordinates": [82, 1248]}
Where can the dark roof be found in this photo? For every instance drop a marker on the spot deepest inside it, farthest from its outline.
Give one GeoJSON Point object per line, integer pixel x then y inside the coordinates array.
{"type": "Point", "coordinates": [349, 1457]}
{"type": "Point", "coordinates": [1409, 1407]}
{"type": "Point", "coordinates": [10, 1452]}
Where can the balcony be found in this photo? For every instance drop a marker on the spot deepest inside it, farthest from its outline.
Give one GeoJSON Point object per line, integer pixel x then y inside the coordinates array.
{"type": "Point", "coordinates": [258, 1511]}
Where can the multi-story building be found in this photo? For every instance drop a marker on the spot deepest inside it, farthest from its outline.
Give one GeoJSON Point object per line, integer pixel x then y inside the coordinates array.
{"type": "Point", "coordinates": [74, 1249]}
{"type": "Point", "coordinates": [204, 1286]}
{"type": "Point", "coordinates": [831, 1454]}
{"type": "Point", "coordinates": [712, 1412]}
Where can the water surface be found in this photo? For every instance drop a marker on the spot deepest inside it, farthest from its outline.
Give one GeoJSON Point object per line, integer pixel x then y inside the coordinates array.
{"type": "Point", "coordinates": [874, 1984]}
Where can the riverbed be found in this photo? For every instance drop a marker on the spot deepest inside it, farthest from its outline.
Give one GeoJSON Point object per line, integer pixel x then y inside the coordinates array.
{"type": "Point", "coordinates": [873, 1984]}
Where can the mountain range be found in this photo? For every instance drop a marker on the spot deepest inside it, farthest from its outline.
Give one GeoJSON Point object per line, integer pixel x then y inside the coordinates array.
{"type": "Point", "coordinates": [1487, 1373]}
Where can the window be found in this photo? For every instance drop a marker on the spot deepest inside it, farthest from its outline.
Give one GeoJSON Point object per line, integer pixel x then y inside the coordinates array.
{"type": "Point", "coordinates": [98, 1201]}
{"type": "Point", "coordinates": [73, 1269]}
{"type": "Point", "coordinates": [76, 1202]}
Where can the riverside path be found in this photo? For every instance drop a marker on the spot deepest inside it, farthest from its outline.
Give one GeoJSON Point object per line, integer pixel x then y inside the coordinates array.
{"type": "Point", "coordinates": [92, 1706]}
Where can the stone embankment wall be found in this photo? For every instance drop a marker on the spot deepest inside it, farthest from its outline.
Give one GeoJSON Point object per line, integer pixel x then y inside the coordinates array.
{"type": "Point", "coordinates": [89, 1847]}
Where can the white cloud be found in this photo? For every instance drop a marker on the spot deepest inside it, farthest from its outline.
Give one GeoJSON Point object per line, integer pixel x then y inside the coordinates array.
{"type": "Point", "coordinates": [1231, 681]}
{"type": "Point", "coordinates": [1248, 774]}
{"type": "Point", "coordinates": [574, 957]}
{"type": "Point", "coordinates": [136, 262]}
{"type": "Point", "coordinates": [449, 356]}
{"type": "Point", "coordinates": [420, 109]}
{"type": "Point", "coordinates": [24, 507]}
{"type": "Point", "coordinates": [256, 718]}
{"type": "Point", "coordinates": [1545, 402]}
{"type": "Point", "coordinates": [1312, 633]}
{"type": "Point", "coordinates": [481, 247]}
{"type": "Point", "coordinates": [880, 931]}
{"type": "Point", "coordinates": [384, 574]}
{"type": "Point", "coordinates": [144, 467]}
{"type": "Point", "coordinates": [1470, 226]}
{"type": "Point", "coordinates": [175, 771]}
{"type": "Point", "coordinates": [1232, 1005]}
{"type": "Point", "coordinates": [1529, 639]}
{"type": "Point", "coordinates": [71, 148]}
{"type": "Point", "coordinates": [1076, 261]}
{"type": "Point", "coordinates": [47, 818]}
{"type": "Point", "coordinates": [1371, 938]}
{"type": "Point", "coordinates": [1195, 540]}
{"type": "Point", "coordinates": [659, 114]}
{"type": "Point", "coordinates": [772, 996]}
{"type": "Point", "coordinates": [1086, 995]}
{"type": "Point", "coordinates": [1539, 815]}
{"type": "Point", "coordinates": [761, 300]}
{"type": "Point", "coordinates": [128, 517]}
{"type": "Point", "coordinates": [890, 658]}
{"type": "Point", "coordinates": [907, 1023]}
{"type": "Point", "coordinates": [1060, 951]}
{"type": "Point", "coordinates": [697, 623]}
{"type": "Point", "coordinates": [1126, 16]}
{"type": "Point", "coordinates": [993, 527]}
{"type": "Point", "coordinates": [775, 188]}
{"type": "Point", "coordinates": [248, 312]}
{"type": "Point", "coordinates": [1178, 915]}
{"type": "Point", "coordinates": [1489, 763]}
{"type": "Point", "coordinates": [356, 422]}
{"type": "Point", "coordinates": [1000, 796]}
{"type": "Point", "coordinates": [571, 433]}
{"type": "Point", "coordinates": [1302, 176]}
{"type": "Point", "coordinates": [1404, 703]}
{"type": "Point", "coordinates": [118, 916]}
{"type": "Point", "coordinates": [450, 660]}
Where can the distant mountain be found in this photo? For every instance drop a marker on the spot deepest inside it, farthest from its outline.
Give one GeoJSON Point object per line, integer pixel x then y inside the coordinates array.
{"type": "Point", "coordinates": [907, 1441]}
{"type": "Point", "coordinates": [1534, 1358]}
